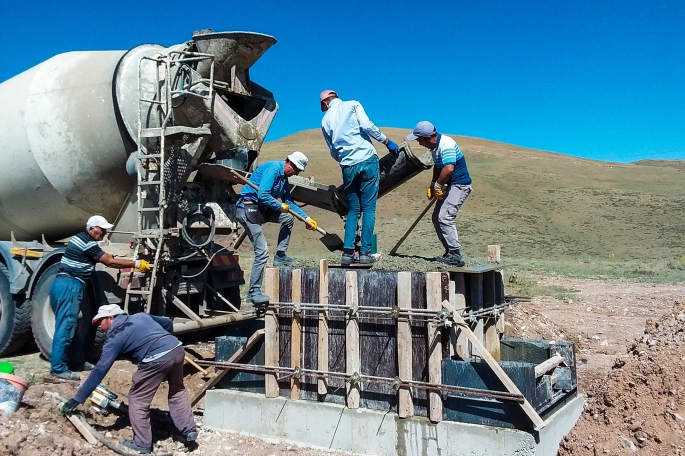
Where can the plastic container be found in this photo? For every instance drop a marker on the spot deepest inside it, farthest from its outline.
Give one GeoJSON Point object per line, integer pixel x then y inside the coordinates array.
{"type": "Point", "coordinates": [6, 368]}
{"type": "Point", "coordinates": [12, 390]}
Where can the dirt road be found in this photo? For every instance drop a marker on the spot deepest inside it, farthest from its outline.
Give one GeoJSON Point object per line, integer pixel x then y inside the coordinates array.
{"type": "Point", "coordinates": [606, 320]}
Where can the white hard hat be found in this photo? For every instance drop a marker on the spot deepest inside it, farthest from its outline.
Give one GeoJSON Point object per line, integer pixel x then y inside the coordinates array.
{"type": "Point", "coordinates": [298, 159]}
{"type": "Point", "coordinates": [98, 220]}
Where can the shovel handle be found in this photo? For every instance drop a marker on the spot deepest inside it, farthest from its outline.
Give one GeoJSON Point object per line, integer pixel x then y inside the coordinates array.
{"type": "Point", "coordinates": [413, 225]}
{"type": "Point", "coordinates": [241, 178]}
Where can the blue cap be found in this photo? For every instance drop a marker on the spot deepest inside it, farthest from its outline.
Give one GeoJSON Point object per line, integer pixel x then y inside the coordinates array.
{"type": "Point", "coordinates": [423, 129]}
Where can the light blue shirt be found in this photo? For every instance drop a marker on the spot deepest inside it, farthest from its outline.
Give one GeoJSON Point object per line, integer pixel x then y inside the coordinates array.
{"type": "Point", "coordinates": [348, 132]}
{"type": "Point", "coordinates": [272, 183]}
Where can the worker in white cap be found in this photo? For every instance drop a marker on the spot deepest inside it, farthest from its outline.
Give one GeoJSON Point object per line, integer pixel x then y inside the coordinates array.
{"type": "Point", "coordinates": [257, 207]}
{"type": "Point", "coordinates": [450, 185]}
{"type": "Point", "coordinates": [66, 294]}
{"type": "Point", "coordinates": [147, 341]}
{"type": "Point", "coordinates": [348, 132]}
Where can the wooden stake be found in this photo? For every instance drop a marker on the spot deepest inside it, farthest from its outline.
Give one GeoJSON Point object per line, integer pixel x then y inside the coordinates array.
{"type": "Point", "coordinates": [353, 358]}
{"type": "Point", "coordinates": [296, 332]}
{"type": "Point", "coordinates": [496, 368]}
{"type": "Point", "coordinates": [434, 302]}
{"type": "Point", "coordinates": [192, 362]}
{"type": "Point", "coordinates": [271, 341]}
{"type": "Point", "coordinates": [493, 254]}
{"type": "Point", "coordinates": [219, 374]}
{"type": "Point", "coordinates": [322, 347]}
{"type": "Point", "coordinates": [405, 405]}
{"type": "Point", "coordinates": [492, 338]}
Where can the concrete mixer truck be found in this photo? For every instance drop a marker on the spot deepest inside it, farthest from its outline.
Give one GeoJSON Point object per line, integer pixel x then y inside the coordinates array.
{"type": "Point", "coordinates": [127, 135]}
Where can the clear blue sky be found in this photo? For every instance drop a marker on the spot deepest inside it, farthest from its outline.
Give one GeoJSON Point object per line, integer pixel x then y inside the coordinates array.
{"type": "Point", "coordinates": [592, 78]}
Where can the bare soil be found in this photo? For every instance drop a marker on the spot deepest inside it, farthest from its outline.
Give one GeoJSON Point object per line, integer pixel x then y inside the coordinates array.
{"type": "Point", "coordinates": [635, 401]}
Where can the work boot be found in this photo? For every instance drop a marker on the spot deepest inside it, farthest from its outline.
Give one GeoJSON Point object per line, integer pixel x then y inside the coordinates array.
{"type": "Point", "coordinates": [257, 298]}
{"type": "Point", "coordinates": [191, 436]}
{"type": "Point", "coordinates": [283, 260]}
{"type": "Point", "coordinates": [452, 259]}
{"type": "Point", "coordinates": [368, 258]}
{"type": "Point", "coordinates": [128, 443]}
{"type": "Point", "coordinates": [347, 259]}
{"type": "Point", "coordinates": [66, 375]}
{"type": "Point", "coordinates": [85, 367]}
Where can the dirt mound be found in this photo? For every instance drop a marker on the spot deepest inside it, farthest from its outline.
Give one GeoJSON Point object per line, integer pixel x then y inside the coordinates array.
{"type": "Point", "coordinates": [640, 407]}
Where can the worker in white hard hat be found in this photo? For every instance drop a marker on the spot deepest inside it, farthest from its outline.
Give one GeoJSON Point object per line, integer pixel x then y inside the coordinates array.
{"type": "Point", "coordinates": [348, 132]}
{"type": "Point", "coordinates": [66, 295]}
{"type": "Point", "coordinates": [257, 207]}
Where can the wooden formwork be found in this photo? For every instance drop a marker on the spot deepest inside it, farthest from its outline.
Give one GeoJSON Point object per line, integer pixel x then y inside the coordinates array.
{"type": "Point", "coordinates": [385, 340]}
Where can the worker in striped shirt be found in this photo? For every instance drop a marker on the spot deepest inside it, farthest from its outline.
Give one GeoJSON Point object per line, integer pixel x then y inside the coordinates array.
{"type": "Point", "coordinates": [66, 293]}
{"type": "Point", "coordinates": [451, 185]}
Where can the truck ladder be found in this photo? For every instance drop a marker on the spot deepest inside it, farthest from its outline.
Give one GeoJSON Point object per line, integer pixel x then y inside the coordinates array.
{"type": "Point", "coordinates": [150, 165]}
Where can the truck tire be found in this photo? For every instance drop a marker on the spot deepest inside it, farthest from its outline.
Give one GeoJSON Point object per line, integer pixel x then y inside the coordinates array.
{"type": "Point", "coordinates": [15, 318]}
{"type": "Point", "coordinates": [43, 318]}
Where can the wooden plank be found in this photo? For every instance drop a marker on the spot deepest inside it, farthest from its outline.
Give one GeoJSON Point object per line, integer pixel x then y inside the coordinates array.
{"type": "Point", "coordinates": [493, 254]}
{"type": "Point", "coordinates": [496, 368]}
{"type": "Point", "coordinates": [405, 404]}
{"type": "Point", "coordinates": [461, 342]}
{"type": "Point", "coordinates": [352, 353]}
{"type": "Point", "coordinates": [296, 332]}
{"type": "Point", "coordinates": [220, 373]}
{"type": "Point", "coordinates": [271, 342]}
{"type": "Point", "coordinates": [322, 348]}
{"type": "Point", "coordinates": [83, 429]}
{"type": "Point", "coordinates": [434, 302]}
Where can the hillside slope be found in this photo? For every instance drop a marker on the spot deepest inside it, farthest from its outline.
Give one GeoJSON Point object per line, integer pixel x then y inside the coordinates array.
{"type": "Point", "coordinates": [535, 204]}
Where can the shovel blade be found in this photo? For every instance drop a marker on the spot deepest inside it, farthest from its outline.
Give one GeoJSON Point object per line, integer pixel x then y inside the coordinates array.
{"type": "Point", "coordinates": [332, 242]}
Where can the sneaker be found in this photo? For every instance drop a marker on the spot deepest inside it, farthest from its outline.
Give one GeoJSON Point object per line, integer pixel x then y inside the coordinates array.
{"type": "Point", "coordinates": [128, 443]}
{"type": "Point", "coordinates": [367, 258]}
{"type": "Point", "coordinates": [191, 436]}
{"type": "Point", "coordinates": [284, 260]}
{"type": "Point", "coordinates": [348, 259]}
{"type": "Point", "coordinates": [66, 375]}
{"type": "Point", "coordinates": [257, 298]}
{"type": "Point", "coordinates": [85, 367]}
{"type": "Point", "coordinates": [452, 259]}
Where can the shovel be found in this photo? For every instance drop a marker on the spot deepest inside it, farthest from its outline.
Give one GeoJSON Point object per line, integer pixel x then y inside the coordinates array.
{"type": "Point", "coordinates": [330, 240]}
{"type": "Point", "coordinates": [413, 225]}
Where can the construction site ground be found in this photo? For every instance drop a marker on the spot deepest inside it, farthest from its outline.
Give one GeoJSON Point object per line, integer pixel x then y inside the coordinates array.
{"type": "Point", "coordinates": [635, 400]}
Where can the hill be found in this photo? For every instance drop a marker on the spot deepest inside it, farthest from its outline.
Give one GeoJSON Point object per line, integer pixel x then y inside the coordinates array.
{"type": "Point", "coordinates": [537, 205]}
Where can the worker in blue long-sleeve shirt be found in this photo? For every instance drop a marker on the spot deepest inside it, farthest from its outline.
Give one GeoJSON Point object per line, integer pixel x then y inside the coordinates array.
{"type": "Point", "coordinates": [257, 207]}
{"type": "Point", "coordinates": [147, 341]}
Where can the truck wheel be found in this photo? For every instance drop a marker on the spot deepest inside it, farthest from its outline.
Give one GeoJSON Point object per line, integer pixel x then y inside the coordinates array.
{"type": "Point", "coordinates": [43, 318]}
{"type": "Point", "coordinates": [15, 318]}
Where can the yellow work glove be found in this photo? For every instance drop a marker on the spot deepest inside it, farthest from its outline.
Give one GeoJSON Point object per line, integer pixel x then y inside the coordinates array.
{"type": "Point", "coordinates": [142, 266]}
{"type": "Point", "coordinates": [429, 192]}
{"type": "Point", "coordinates": [440, 193]}
{"type": "Point", "coordinates": [285, 207]}
{"type": "Point", "coordinates": [311, 224]}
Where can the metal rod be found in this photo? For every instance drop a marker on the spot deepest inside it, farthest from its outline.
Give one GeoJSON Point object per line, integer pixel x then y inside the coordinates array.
{"type": "Point", "coordinates": [395, 382]}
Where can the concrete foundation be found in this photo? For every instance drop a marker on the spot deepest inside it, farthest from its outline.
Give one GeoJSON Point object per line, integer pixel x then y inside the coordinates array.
{"type": "Point", "coordinates": [375, 432]}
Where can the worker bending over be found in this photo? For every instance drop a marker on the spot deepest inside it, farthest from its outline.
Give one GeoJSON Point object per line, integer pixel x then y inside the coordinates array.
{"type": "Point", "coordinates": [348, 132]}
{"type": "Point", "coordinates": [147, 341]}
{"type": "Point", "coordinates": [76, 269]}
{"type": "Point", "coordinates": [257, 207]}
{"type": "Point", "coordinates": [451, 185]}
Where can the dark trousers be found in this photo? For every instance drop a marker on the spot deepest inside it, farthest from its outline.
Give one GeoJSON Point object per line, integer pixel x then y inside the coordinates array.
{"type": "Point", "coordinates": [146, 381]}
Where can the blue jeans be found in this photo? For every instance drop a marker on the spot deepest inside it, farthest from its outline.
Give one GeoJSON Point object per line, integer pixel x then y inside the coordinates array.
{"type": "Point", "coordinates": [66, 294]}
{"type": "Point", "coordinates": [361, 189]}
